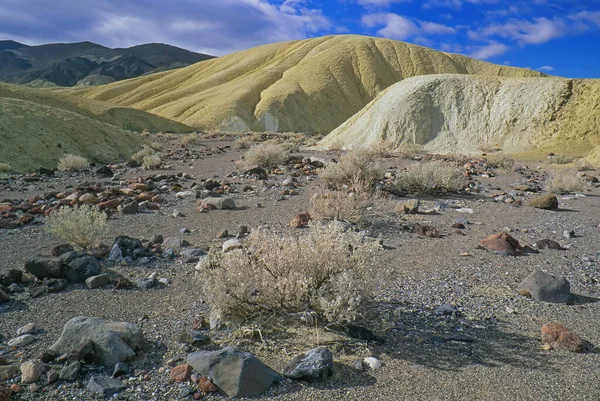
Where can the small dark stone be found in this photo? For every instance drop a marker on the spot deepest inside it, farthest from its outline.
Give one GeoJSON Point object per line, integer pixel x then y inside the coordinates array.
{"type": "Point", "coordinates": [46, 171]}
{"type": "Point", "coordinates": [104, 171]}
{"type": "Point", "coordinates": [316, 364]}
{"type": "Point", "coordinates": [70, 372]}
{"type": "Point", "coordinates": [548, 243]}
{"type": "Point", "coordinates": [62, 249]}
{"type": "Point", "coordinates": [54, 285]}
{"type": "Point", "coordinates": [121, 369]}
{"type": "Point", "coordinates": [105, 386]}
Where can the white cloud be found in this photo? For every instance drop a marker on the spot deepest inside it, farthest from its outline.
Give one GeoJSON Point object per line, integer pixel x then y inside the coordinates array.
{"type": "Point", "coordinates": [546, 68]}
{"type": "Point", "coordinates": [399, 27]}
{"type": "Point", "coordinates": [488, 51]}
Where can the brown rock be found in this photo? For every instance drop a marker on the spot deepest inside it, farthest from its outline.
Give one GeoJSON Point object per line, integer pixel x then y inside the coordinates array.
{"type": "Point", "coordinates": [62, 248]}
{"type": "Point", "coordinates": [206, 386]}
{"type": "Point", "coordinates": [547, 202]}
{"type": "Point", "coordinates": [502, 242]}
{"type": "Point", "coordinates": [15, 388]}
{"type": "Point", "coordinates": [110, 204]}
{"type": "Point", "coordinates": [300, 220]}
{"type": "Point", "coordinates": [426, 231]}
{"type": "Point", "coordinates": [88, 199]}
{"type": "Point", "coordinates": [559, 337]}
{"type": "Point", "coordinates": [32, 370]}
{"type": "Point", "coordinates": [411, 206]}
{"type": "Point", "coordinates": [140, 187]}
{"type": "Point", "coordinates": [181, 373]}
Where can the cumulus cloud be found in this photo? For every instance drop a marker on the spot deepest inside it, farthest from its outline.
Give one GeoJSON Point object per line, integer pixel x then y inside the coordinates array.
{"type": "Point", "coordinates": [546, 68]}
{"type": "Point", "coordinates": [217, 28]}
{"type": "Point", "coordinates": [399, 27]}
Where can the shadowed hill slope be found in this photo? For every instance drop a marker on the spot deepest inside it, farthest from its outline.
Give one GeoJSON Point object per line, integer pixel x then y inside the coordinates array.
{"type": "Point", "coordinates": [310, 86]}
{"type": "Point", "coordinates": [457, 113]}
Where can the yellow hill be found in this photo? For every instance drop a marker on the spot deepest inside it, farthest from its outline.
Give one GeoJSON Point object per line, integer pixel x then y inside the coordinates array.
{"type": "Point", "coordinates": [458, 113]}
{"type": "Point", "coordinates": [310, 86]}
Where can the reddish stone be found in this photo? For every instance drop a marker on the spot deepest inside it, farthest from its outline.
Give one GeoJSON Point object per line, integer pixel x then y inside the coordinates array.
{"type": "Point", "coordinates": [111, 204]}
{"type": "Point", "coordinates": [26, 219]}
{"type": "Point", "coordinates": [156, 199]}
{"type": "Point", "coordinates": [181, 373]}
{"type": "Point", "coordinates": [198, 395]}
{"type": "Point", "coordinates": [6, 207]}
{"type": "Point", "coordinates": [36, 210]}
{"type": "Point", "coordinates": [34, 199]}
{"type": "Point", "coordinates": [206, 386]}
{"type": "Point", "coordinates": [559, 337]}
{"type": "Point", "coordinates": [15, 388]}
{"type": "Point", "coordinates": [152, 206]}
{"type": "Point", "coordinates": [502, 242]}
{"type": "Point", "coordinates": [145, 196]}
{"type": "Point", "coordinates": [426, 231]}
{"type": "Point", "coordinates": [140, 187]}
{"type": "Point", "coordinates": [300, 221]}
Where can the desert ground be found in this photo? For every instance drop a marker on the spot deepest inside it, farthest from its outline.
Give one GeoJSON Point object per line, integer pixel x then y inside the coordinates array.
{"type": "Point", "coordinates": [447, 319]}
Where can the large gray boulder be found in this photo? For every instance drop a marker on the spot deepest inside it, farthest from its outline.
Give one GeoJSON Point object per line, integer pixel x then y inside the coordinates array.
{"type": "Point", "coordinates": [236, 373]}
{"type": "Point", "coordinates": [73, 266]}
{"type": "Point", "coordinates": [544, 287]}
{"type": "Point", "coordinates": [45, 267]}
{"type": "Point", "coordinates": [112, 341]}
{"type": "Point", "coordinates": [314, 365]}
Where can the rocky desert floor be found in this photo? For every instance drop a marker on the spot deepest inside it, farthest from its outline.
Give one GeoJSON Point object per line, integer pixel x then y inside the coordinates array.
{"type": "Point", "coordinates": [452, 322]}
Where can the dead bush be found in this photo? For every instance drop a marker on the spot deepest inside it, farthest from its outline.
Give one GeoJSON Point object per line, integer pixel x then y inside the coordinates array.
{"type": "Point", "coordinates": [243, 143]}
{"type": "Point", "coordinates": [5, 168]}
{"type": "Point", "coordinates": [73, 163]}
{"type": "Point", "coordinates": [563, 182]}
{"type": "Point", "coordinates": [338, 205]}
{"type": "Point", "coordinates": [501, 161]}
{"type": "Point", "coordinates": [265, 155]}
{"type": "Point", "coordinates": [354, 170]}
{"type": "Point", "coordinates": [82, 226]}
{"type": "Point", "coordinates": [151, 161]}
{"type": "Point", "coordinates": [560, 159]}
{"type": "Point", "coordinates": [430, 178]}
{"type": "Point", "coordinates": [326, 271]}
{"type": "Point", "coordinates": [146, 151]}
{"type": "Point", "coordinates": [190, 139]}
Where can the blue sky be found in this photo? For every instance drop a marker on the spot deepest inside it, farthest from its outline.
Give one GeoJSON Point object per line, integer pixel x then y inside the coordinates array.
{"type": "Point", "coordinates": [560, 37]}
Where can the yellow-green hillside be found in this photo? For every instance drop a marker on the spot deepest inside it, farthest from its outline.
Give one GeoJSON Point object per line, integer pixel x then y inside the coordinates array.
{"type": "Point", "coordinates": [310, 85]}
{"type": "Point", "coordinates": [122, 117]}
{"type": "Point", "coordinates": [458, 113]}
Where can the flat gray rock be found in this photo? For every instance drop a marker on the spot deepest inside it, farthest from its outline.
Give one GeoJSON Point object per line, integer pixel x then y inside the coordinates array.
{"type": "Point", "coordinates": [105, 386]}
{"type": "Point", "coordinates": [314, 365]}
{"type": "Point", "coordinates": [236, 373]}
{"type": "Point", "coordinates": [544, 287]}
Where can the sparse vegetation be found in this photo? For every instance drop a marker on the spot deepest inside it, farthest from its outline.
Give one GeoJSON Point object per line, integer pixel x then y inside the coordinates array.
{"type": "Point", "coordinates": [82, 226]}
{"type": "Point", "coordinates": [73, 163]}
{"type": "Point", "coordinates": [151, 161]}
{"type": "Point", "coordinates": [563, 182]}
{"type": "Point", "coordinates": [430, 178]}
{"type": "Point", "coordinates": [243, 143]}
{"type": "Point", "coordinates": [326, 271]}
{"type": "Point", "coordinates": [265, 155]}
{"type": "Point", "coordinates": [139, 156]}
{"type": "Point", "coordinates": [190, 139]}
{"type": "Point", "coordinates": [560, 159]}
{"type": "Point", "coordinates": [354, 170]}
{"type": "Point", "coordinates": [5, 168]}
{"type": "Point", "coordinates": [338, 205]}
{"type": "Point", "coordinates": [501, 161]}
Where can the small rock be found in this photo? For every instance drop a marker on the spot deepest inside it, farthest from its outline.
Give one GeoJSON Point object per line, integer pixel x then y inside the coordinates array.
{"type": "Point", "coordinates": [544, 287]}
{"type": "Point", "coordinates": [52, 376]}
{"type": "Point", "coordinates": [97, 281]}
{"type": "Point", "coordinates": [300, 221]}
{"type": "Point", "coordinates": [32, 370]}
{"type": "Point", "coordinates": [569, 234]}
{"type": "Point", "coordinates": [224, 203]}
{"type": "Point", "coordinates": [7, 372]}
{"type": "Point", "coordinates": [29, 328]}
{"type": "Point", "coordinates": [121, 369]}
{"type": "Point", "coordinates": [316, 364]}
{"type": "Point", "coordinates": [502, 242]}
{"type": "Point", "coordinates": [105, 386]}
{"type": "Point", "coordinates": [206, 386]}
{"type": "Point", "coordinates": [147, 283]}
{"type": "Point", "coordinates": [232, 244]}
{"type": "Point", "coordinates": [559, 337]}
{"type": "Point", "coordinates": [70, 372]}
{"type": "Point", "coordinates": [547, 202]}
{"type": "Point", "coordinates": [21, 341]}
{"type": "Point", "coordinates": [62, 249]}
{"type": "Point", "coordinates": [115, 255]}
{"type": "Point", "coordinates": [104, 172]}
{"type": "Point", "coordinates": [373, 363]}
{"type": "Point", "coordinates": [180, 373]}
{"type": "Point", "coordinates": [548, 243]}
{"type": "Point", "coordinates": [410, 206]}
{"type": "Point", "coordinates": [131, 207]}
{"type": "Point", "coordinates": [4, 297]}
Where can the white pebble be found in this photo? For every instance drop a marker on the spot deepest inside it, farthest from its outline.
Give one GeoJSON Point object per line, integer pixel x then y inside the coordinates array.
{"type": "Point", "coordinates": [373, 363]}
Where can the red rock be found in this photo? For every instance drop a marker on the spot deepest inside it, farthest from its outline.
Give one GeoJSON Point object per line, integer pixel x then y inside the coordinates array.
{"type": "Point", "coordinates": [502, 242]}
{"type": "Point", "coordinates": [34, 199]}
{"type": "Point", "coordinates": [6, 207]}
{"type": "Point", "coordinates": [559, 337]}
{"type": "Point", "coordinates": [300, 221]}
{"type": "Point", "coordinates": [111, 204]}
{"type": "Point", "coordinates": [181, 373]}
{"type": "Point", "coordinates": [206, 386]}
{"type": "Point", "coordinates": [140, 187]}
{"type": "Point", "coordinates": [35, 210]}
{"type": "Point", "coordinates": [26, 219]}
{"type": "Point", "coordinates": [15, 388]}
{"type": "Point", "coordinates": [145, 196]}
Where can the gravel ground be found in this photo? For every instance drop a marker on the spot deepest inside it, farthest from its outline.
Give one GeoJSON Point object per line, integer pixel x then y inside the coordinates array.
{"type": "Point", "coordinates": [504, 360]}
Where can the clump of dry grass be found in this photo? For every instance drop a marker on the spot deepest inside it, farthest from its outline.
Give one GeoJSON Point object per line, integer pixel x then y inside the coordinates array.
{"type": "Point", "coordinates": [190, 139]}
{"type": "Point", "coordinates": [73, 163]}
{"type": "Point", "coordinates": [430, 178]}
{"type": "Point", "coordinates": [265, 155]}
{"type": "Point", "coordinates": [501, 161]}
{"type": "Point", "coordinates": [5, 168]}
{"type": "Point", "coordinates": [243, 143]}
{"type": "Point", "coordinates": [339, 205]}
{"type": "Point", "coordinates": [139, 156]}
{"type": "Point", "coordinates": [560, 159]}
{"type": "Point", "coordinates": [354, 170]}
{"type": "Point", "coordinates": [563, 182]}
{"type": "Point", "coordinates": [151, 161]}
{"type": "Point", "coordinates": [82, 226]}
{"type": "Point", "coordinates": [326, 271]}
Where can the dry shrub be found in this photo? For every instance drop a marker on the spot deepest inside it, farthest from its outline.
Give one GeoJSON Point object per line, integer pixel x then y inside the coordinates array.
{"type": "Point", "coordinates": [501, 161]}
{"type": "Point", "coordinates": [326, 271]}
{"type": "Point", "coordinates": [243, 143]}
{"type": "Point", "coordinates": [73, 162]}
{"type": "Point", "coordinates": [338, 205]}
{"type": "Point", "coordinates": [431, 178]}
{"type": "Point", "coordinates": [583, 165]}
{"type": "Point", "coordinates": [151, 161]}
{"type": "Point", "coordinates": [265, 155]}
{"type": "Point", "coordinates": [5, 168]}
{"type": "Point", "coordinates": [560, 159]}
{"type": "Point", "coordinates": [82, 226]}
{"type": "Point", "coordinates": [139, 156]}
{"type": "Point", "coordinates": [190, 139]}
{"type": "Point", "coordinates": [563, 182]}
{"type": "Point", "coordinates": [354, 170]}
